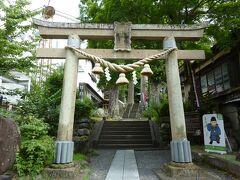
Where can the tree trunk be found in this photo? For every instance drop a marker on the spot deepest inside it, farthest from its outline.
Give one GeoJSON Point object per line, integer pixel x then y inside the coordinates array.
{"type": "Point", "coordinates": [155, 92]}
{"type": "Point", "coordinates": [113, 109]}
{"type": "Point", "coordinates": [131, 92]}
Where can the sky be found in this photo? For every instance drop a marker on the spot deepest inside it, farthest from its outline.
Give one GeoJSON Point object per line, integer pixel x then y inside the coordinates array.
{"type": "Point", "coordinates": [69, 7]}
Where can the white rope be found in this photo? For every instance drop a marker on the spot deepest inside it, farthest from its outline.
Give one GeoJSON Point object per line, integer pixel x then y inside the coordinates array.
{"type": "Point", "coordinates": [122, 68]}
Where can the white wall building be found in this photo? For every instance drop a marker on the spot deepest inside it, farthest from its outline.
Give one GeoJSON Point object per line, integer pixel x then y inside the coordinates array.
{"type": "Point", "coordinates": [87, 82]}
{"type": "Point", "coordinates": [19, 82]}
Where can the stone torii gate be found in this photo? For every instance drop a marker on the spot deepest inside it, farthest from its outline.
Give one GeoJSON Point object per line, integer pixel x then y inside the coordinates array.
{"type": "Point", "coordinates": [123, 33]}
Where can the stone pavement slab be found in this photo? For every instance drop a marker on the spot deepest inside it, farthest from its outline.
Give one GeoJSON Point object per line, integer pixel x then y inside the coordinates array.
{"type": "Point", "coordinates": [123, 166]}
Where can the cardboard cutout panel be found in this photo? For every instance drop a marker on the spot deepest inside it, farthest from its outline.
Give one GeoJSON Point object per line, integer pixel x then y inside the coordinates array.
{"type": "Point", "coordinates": [214, 134]}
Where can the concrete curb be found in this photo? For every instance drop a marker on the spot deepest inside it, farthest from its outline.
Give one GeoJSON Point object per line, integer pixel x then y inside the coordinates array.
{"type": "Point", "coordinates": [216, 162]}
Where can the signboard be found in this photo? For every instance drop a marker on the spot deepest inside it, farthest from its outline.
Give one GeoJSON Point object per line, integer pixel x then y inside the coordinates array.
{"type": "Point", "coordinates": [214, 134]}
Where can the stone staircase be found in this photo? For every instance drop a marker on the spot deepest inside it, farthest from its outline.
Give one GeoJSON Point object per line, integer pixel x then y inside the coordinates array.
{"type": "Point", "coordinates": [127, 111]}
{"type": "Point", "coordinates": [125, 135]}
{"type": "Point", "coordinates": [131, 111]}
{"type": "Point", "coordinates": [134, 111]}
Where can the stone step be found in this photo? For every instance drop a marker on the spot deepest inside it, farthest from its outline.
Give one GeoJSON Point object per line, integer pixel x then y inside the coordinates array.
{"type": "Point", "coordinates": [126, 122]}
{"type": "Point", "coordinates": [125, 146]}
{"type": "Point", "coordinates": [126, 129]}
{"type": "Point", "coordinates": [126, 125]}
{"type": "Point", "coordinates": [126, 136]}
{"type": "Point", "coordinates": [125, 133]}
{"type": "Point", "coordinates": [126, 141]}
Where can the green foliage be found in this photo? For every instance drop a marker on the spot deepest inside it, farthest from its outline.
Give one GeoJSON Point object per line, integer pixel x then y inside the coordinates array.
{"type": "Point", "coordinates": [207, 105]}
{"type": "Point", "coordinates": [148, 12]}
{"type": "Point", "coordinates": [83, 109]}
{"type": "Point", "coordinates": [32, 128]}
{"type": "Point", "coordinates": [17, 46]}
{"type": "Point", "coordinates": [81, 138]}
{"type": "Point", "coordinates": [188, 106]}
{"type": "Point", "coordinates": [225, 23]}
{"type": "Point", "coordinates": [36, 148]}
{"type": "Point", "coordinates": [223, 16]}
{"type": "Point", "coordinates": [44, 100]}
{"type": "Point", "coordinates": [34, 155]}
{"type": "Point", "coordinates": [157, 110]}
{"type": "Point", "coordinates": [79, 157]}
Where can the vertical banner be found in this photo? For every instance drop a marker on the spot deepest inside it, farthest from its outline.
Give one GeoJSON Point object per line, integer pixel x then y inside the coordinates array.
{"type": "Point", "coordinates": [214, 134]}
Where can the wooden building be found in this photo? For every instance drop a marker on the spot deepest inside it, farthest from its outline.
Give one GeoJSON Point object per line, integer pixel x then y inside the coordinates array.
{"type": "Point", "coordinates": [217, 80]}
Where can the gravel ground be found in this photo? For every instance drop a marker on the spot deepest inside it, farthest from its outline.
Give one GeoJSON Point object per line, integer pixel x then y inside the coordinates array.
{"type": "Point", "coordinates": [100, 164]}
{"type": "Point", "coordinates": [149, 160]}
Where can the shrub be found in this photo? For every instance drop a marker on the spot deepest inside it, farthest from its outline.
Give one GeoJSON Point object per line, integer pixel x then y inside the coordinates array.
{"type": "Point", "coordinates": [188, 106]}
{"type": "Point", "coordinates": [34, 155]}
{"type": "Point", "coordinates": [157, 110]}
{"type": "Point", "coordinates": [44, 100]}
{"type": "Point", "coordinates": [83, 109]}
{"type": "Point", "coordinates": [36, 149]}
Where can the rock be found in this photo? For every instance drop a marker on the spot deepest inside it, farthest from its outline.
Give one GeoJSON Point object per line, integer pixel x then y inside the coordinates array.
{"type": "Point", "coordinates": [85, 120]}
{"type": "Point", "coordinates": [81, 132]}
{"type": "Point", "coordinates": [238, 156]}
{"type": "Point", "coordinates": [9, 141]}
{"type": "Point", "coordinates": [5, 177]}
{"type": "Point", "coordinates": [233, 143]}
{"type": "Point", "coordinates": [237, 136]}
{"type": "Point", "coordinates": [165, 125]}
{"type": "Point", "coordinates": [83, 125]}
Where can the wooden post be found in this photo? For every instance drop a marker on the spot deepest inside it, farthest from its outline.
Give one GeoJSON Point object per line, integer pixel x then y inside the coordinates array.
{"type": "Point", "coordinates": [64, 143]}
{"type": "Point", "coordinates": [180, 146]}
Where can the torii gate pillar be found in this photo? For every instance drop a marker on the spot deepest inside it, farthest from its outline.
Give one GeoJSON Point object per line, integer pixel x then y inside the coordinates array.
{"type": "Point", "coordinates": [180, 146]}
{"type": "Point", "coordinates": [64, 145]}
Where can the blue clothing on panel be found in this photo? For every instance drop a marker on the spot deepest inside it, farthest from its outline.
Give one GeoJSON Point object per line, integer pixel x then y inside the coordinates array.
{"type": "Point", "coordinates": [215, 132]}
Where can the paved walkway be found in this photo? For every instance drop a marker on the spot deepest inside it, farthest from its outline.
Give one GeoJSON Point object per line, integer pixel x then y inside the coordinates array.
{"type": "Point", "coordinates": [123, 166]}
{"type": "Point", "coordinates": [146, 162]}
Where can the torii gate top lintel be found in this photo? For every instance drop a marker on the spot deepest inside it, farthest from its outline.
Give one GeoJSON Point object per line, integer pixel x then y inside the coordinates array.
{"type": "Point", "coordinates": [61, 30]}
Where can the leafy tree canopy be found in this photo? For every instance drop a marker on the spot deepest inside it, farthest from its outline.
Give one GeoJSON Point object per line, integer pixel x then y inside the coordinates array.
{"type": "Point", "coordinates": [17, 42]}
{"type": "Point", "coordinates": [222, 15]}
